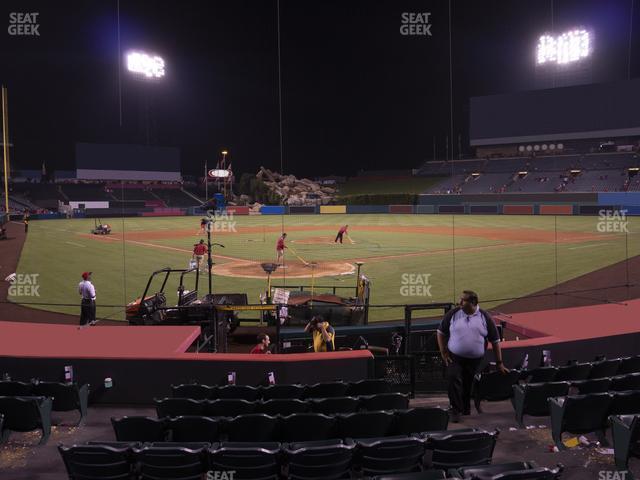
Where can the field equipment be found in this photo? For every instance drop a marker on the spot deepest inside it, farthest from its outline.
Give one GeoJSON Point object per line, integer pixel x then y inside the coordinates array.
{"type": "Point", "coordinates": [207, 312]}
{"type": "Point", "coordinates": [100, 228]}
{"type": "Point", "coordinates": [306, 264]}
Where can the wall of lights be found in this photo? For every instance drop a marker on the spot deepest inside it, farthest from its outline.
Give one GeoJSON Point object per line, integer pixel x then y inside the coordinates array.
{"type": "Point", "coordinates": [150, 66]}
{"type": "Point", "coordinates": [568, 47]}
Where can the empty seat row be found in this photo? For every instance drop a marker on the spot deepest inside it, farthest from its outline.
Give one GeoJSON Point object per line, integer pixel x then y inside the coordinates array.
{"type": "Point", "coordinates": [583, 371]}
{"type": "Point", "coordinates": [25, 414]}
{"type": "Point", "coordinates": [505, 471]}
{"type": "Point", "coordinates": [495, 386]}
{"type": "Point", "coordinates": [315, 460]}
{"type": "Point", "coordinates": [320, 390]}
{"type": "Point", "coordinates": [66, 396]}
{"type": "Point", "coordinates": [531, 399]}
{"type": "Point", "coordinates": [619, 383]}
{"type": "Point", "coordinates": [581, 414]}
{"type": "Point", "coordinates": [259, 427]}
{"type": "Point", "coordinates": [173, 407]}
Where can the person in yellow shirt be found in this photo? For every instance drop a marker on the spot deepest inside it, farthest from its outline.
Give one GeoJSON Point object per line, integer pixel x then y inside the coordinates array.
{"type": "Point", "coordinates": [323, 335]}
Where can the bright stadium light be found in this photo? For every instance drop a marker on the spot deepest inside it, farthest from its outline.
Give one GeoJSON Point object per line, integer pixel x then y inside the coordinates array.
{"type": "Point", "coordinates": [150, 66]}
{"type": "Point", "coordinates": [219, 173]}
{"type": "Point", "coordinates": [566, 48]}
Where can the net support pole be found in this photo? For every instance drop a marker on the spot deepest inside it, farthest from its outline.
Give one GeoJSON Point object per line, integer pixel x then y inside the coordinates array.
{"type": "Point", "coordinates": [5, 146]}
{"type": "Point", "coordinates": [407, 330]}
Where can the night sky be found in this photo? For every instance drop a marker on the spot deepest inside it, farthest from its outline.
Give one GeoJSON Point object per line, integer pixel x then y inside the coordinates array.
{"type": "Point", "coordinates": [356, 94]}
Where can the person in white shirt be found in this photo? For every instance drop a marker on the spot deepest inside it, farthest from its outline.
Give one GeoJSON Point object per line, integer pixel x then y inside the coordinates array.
{"type": "Point", "coordinates": [88, 304]}
{"type": "Point", "coordinates": [463, 337]}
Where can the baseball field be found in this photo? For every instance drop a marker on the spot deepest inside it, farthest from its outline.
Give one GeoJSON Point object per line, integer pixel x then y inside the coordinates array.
{"type": "Point", "coordinates": [408, 258]}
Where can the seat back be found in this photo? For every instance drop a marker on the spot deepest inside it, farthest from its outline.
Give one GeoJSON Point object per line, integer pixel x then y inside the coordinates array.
{"type": "Point", "coordinates": [459, 449]}
{"type": "Point", "coordinates": [194, 429]}
{"type": "Point", "coordinates": [629, 365]}
{"type": "Point", "coordinates": [625, 403]}
{"type": "Point", "coordinates": [175, 407]}
{"type": "Point", "coordinates": [420, 419]}
{"type": "Point", "coordinates": [536, 395]}
{"type": "Point", "coordinates": [495, 385]}
{"type": "Point", "coordinates": [171, 463]}
{"type": "Point", "coordinates": [424, 475]}
{"type": "Point", "coordinates": [326, 390]}
{"type": "Point", "coordinates": [21, 414]}
{"type": "Point", "coordinates": [596, 385]}
{"type": "Point", "coordinates": [253, 427]}
{"type": "Point", "coordinates": [585, 413]}
{"type": "Point", "coordinates": [335, 404]}
{"type": "Point", "coordinates": [191, 390]}
{"type": "Point", "coordinates": [327, 462]}
{"type": "Point", "coordinates": [65, 395]}
{"type": "Point", "coordinates": [630, 381]}
{"type": "Point", "coordinates": [139, 429]}
{"type": "Point", "coordinates": [97, 462]}
{"type": "Point", "coordinates": [632, 423]}
{"type": "Point", "coordinates": [605, 368]}
{"type": "Point", "coordinates": [538, 473]}
{"type": "Point", "coordinates": [282, 391]}
{"type": "Point", "coordinates": [385, 401]}
{"type": "Point", "coordinates": [393, 455]}
{"type": "Point", "coordinates": [481, 471]}
{"type": "Point", "coordinates": [281, 406]}
{"type": "Point", "coordinates": [365, 424]}
{"type": "Point", "coordinates": [244, 392]}
{"type": "Point", "coordinates": [577, 371]}
{"type": "Point", "coordinates": [302, 427]}
{"type": "Point", "coordinates": [368, 387]}
{"type": "Point", "coordinates": [229, 407]}
{"type": "Point", "coordinates": [247, 462]}
{"type": "Point", "coordinates": [12, 388]}
{"type": "Point", "coordinates": [539, 375]}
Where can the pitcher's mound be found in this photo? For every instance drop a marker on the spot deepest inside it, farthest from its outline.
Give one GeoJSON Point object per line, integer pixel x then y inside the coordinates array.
{"type": "Point", "coordinates": [293, 270]}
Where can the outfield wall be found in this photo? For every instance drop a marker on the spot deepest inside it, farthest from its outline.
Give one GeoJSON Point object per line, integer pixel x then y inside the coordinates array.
{"type": "Point", "coordinates": [478, 204]}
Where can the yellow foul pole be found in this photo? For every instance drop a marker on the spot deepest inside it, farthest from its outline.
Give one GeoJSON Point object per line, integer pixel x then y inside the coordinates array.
{"type": "Point", "coordinates": [5, 146]}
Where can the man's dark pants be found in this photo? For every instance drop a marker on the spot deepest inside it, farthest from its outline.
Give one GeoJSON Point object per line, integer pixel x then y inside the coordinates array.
{"type": "Point", "coordinates": [338, 237]}
{"type": "Point", "coordinates": [87, 311]}
{"type": "Point", "coordinates": [460, 375]}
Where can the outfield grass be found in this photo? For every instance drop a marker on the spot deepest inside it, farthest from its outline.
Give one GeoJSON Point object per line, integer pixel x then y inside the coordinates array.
{"type": "Point", "coordinates": [494, 264]}
{"type": "Point", "coordinates": [379, 186]}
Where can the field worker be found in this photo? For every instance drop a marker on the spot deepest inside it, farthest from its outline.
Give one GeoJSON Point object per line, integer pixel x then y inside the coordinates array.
{"type": "Point", "coordinates": [88, 304]}
{"type": "Point", "coordinates": [263, 344]}
{"type": "Point", "coordinates": [280, 246]}
{"type": "Point", "coordinates": [199, 251]}
{"type": "Point", "coordinates": [463, 336]}
{"type": "Point", "coordinates": [322, 333]}
{"type": "Point", "coordinates": [341, 232]}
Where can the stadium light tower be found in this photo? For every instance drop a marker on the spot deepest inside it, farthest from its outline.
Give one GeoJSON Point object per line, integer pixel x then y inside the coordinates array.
{"type": "Point", "coordinates": [146, 65]}
{"type": "Point", "coordinates": [567, 47]}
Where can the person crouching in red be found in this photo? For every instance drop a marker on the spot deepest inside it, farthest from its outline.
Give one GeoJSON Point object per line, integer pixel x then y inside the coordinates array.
{"type": "Point", "coordinates": [263, 344]}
